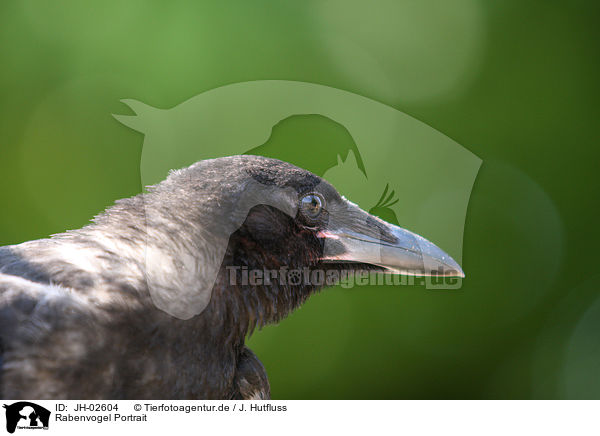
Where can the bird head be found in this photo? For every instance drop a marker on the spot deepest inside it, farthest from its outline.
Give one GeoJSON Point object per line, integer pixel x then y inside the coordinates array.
{"type": "Point", "coordinates": [255, 219]}
{"type": "Point", "coordinates": [311, 216]}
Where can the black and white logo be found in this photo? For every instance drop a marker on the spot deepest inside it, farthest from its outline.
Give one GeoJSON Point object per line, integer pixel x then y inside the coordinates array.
{"type": "Point", "coordinates": [26, 415]}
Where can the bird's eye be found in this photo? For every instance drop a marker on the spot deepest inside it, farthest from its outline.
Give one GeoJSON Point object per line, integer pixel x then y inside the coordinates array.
{"type": "Point", "coordinates": [311, 205]}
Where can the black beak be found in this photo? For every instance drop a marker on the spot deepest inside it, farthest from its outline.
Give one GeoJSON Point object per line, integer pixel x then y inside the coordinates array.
{"type": "Point", "coordinates": [353, 235]}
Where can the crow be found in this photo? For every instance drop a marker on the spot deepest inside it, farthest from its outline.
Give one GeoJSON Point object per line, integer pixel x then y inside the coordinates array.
{"type": "Point", "coordinates": [155, 298]}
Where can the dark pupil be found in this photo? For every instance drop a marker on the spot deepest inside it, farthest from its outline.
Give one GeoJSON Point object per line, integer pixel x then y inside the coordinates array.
{"type": "Point", "coordinates": [311, 204]}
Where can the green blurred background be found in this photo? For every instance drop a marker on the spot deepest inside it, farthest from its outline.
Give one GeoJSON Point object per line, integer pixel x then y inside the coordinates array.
{"type": "Point", "coordinates": [514, 82]}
